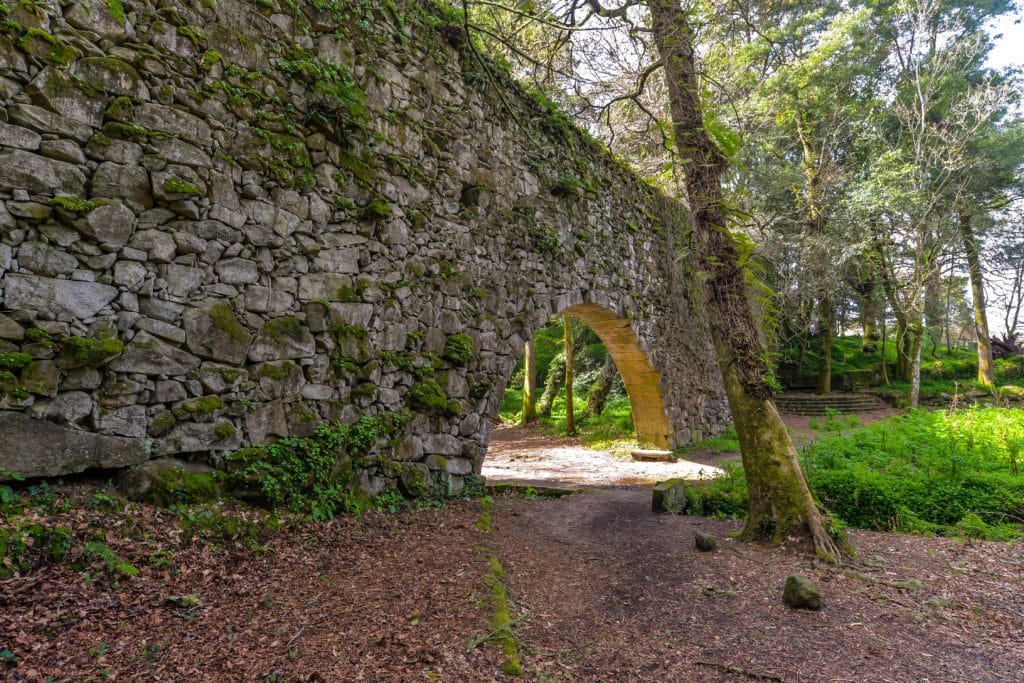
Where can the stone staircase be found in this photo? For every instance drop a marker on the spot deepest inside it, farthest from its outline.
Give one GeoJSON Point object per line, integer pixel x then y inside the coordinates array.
{"type": "Point", "coordinates": [818, 404]}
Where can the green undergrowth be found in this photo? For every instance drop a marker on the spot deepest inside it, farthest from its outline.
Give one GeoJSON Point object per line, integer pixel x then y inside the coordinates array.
{"type": "Point", "coordinates": [944, 372]}
{"type": "Point", "coordinates": [314, 474]}
{"type": "Point", "coordinates": [725, 443]}
{"type": "Point", "coordinates": [949, 473]}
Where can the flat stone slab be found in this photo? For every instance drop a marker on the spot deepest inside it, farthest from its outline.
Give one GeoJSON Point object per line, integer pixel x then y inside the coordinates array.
{"type": "Point", "coordinates": [31, 447]}
{"type": "Point", "coordinates": [653, 455]}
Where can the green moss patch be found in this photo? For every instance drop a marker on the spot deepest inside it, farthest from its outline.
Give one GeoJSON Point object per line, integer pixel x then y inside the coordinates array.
{"type": "Point", "coordinates": [458, 349]}
{"type": "Point", "coordinates": [224, 319]}
{"type": "Point", "coordinates": [89, 353]}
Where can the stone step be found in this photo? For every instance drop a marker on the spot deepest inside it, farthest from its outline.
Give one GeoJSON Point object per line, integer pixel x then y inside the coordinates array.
{"type": "Point", "coordinates": [810, 404]}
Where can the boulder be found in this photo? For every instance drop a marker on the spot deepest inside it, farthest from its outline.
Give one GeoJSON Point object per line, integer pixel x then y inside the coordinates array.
{"type": "Point", "coordinates": [801, 593]}
{"type": "Point", "coordinates": [37, 448]}
{"type": "Point", "coordinates": [704, 542]}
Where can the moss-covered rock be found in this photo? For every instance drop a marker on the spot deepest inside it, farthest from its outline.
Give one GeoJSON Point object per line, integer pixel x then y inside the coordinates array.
{"type": "Point", "coordinates": [458, 349]}
{"type": "Point", "coordinates": [81, 352]}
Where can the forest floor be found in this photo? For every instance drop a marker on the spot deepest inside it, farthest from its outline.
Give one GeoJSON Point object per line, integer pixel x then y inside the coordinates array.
{"type": "Point", "coordinates": [599, 589]}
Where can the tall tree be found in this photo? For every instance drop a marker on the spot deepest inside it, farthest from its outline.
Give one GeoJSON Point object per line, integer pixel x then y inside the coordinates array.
{"type": "Point", "coordinates": [529, 409]}
{"type": "Point", "coordinates": [780, 503]}
{"type": "Point", "coordinates": [570, 414]}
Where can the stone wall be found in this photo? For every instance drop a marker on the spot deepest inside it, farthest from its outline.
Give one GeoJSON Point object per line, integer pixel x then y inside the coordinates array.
{"type": "Point", "coordinates": [224, 222]}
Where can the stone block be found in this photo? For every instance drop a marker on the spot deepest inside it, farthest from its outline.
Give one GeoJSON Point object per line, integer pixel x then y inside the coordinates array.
{"type": "Point", "coordinates": [215, 333]}
{"type": "Point", "coordinates": [123, 421]}
{"type": "Point", "coordinates": [39, 175]}
{"type": "Point", "coordinates": [110, 224]}
{"type": "Point", "coordinates": [37, 448]}
{"type": "Point", "coordinates": [147, 355]}
{"type": "Point", "coordinates": [19, 138]}
{"type": "Point", "coordinates": [130, 184]}
{"type": "Point", "coordinates": [68, 297]}
{"type": "Point", "coordinates": [670, 496]}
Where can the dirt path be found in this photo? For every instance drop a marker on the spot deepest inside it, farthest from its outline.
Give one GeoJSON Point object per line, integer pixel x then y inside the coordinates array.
{"type": "Point", "coordinates": [607, 591]}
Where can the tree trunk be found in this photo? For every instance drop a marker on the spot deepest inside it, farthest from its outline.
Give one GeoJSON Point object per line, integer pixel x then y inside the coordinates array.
{"type": "Point", "coordinates": [780, 503]}
{"type": "Point", "coordinates": [556, 375]}
{"type": "Point", "coordinates": [868, 318]}
{"type": "Point", "coordinates": [570, 418]}
{"type": "Point", "coordinates": [986, 375]}
{"type": "Point", "coordinates": [826, 325]}
{"type": "Point", "coordinates": [598, 394]}
{"type": "Point", "coordinates": [529, 412]}
{"type": "Point", "coordinates": [916, 337]}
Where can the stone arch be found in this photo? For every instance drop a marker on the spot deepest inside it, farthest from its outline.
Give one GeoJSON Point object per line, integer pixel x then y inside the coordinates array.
{"type": "Point", "coordinates": [641, 380]}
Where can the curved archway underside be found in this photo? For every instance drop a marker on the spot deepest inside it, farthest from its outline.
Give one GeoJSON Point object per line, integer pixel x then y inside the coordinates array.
{"type": "Point", "coordinates": [641, 380]}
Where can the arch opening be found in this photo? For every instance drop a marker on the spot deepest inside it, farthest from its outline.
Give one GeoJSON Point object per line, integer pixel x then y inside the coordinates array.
{"type": "Point", "coordinates": [640, 380]}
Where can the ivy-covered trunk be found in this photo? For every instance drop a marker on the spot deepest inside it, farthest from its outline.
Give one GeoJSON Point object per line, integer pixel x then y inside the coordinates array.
{"type": "Point", "coordinates": [781, 504]}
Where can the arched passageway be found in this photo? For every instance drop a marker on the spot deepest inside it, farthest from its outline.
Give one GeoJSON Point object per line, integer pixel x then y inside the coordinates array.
{"type": "Point", "coordinates": [641, 380]}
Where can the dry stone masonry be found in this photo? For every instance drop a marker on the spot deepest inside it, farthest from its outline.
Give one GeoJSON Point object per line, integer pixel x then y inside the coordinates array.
{"type": "Point", "coordinates": [224, 222]}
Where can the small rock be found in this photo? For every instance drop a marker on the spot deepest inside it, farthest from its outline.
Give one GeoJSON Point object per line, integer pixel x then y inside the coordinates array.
{"type": "Point", "coordinates": [704, 542]}
{"type": "Point", "coordinates": [801, 593]}
{"type": "Point", "coordinates": [669, 496]}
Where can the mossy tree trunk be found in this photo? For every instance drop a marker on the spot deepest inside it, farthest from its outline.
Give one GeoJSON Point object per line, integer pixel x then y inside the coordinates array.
{"type": "Point", "coordinates": [529, 412]}
{"type": "Point", "coordinates": [570, 417]}
{"type": "Point", "coordinates": [552, 385]}
{"type": "Point", "coordinates": [826, 331]}
{"type": "Point", "coordinates": [986, 374]}
{"type": "Point", "coordinates": [597, 397]}
{"type": "Point", "coordinates": [781, 504]}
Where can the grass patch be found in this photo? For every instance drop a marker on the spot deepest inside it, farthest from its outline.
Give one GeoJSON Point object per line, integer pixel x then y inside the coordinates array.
{"type": "Point", "coordinates": [951, 473]}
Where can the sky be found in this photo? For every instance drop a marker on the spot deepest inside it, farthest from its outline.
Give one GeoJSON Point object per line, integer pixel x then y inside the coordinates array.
{"type": "Point", "coordinates": [1009, 50]}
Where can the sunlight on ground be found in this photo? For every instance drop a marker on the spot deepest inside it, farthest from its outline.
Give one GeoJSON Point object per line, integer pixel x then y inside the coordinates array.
{"type": "Point", "coordinates": [548, 463]}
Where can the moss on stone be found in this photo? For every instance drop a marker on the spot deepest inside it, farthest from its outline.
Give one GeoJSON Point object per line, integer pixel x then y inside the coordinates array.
{"type": "Point", "coordinates": [194, 35]}
{"type": "Point", "coordinates": [179, 186]}
{"type": "Point", "coordinates": [364, 390]}
{"type": "Point", "coordinates": [377, 209]}
{"type": "Point", "coordinates": [277, 372]}
{"type": "Point", "coordinates": [91, 353]}
{"type": "Point", "coordinates": [116, 10]}
{"type": "Point", "coordinates": [346, 293]}
{"type": "Point", "coordinates": [200, 407]}
{"type": "Point", "coordinates": [14, 360]}
{"type": "Point", "coordinates": [225, 430]}
{"type": "Point", "coordinates": [161, 423]}
{"type": "Point", "coordinates": [458, 349]}
{"type": "Point", "coordinates": [211, 57]}
{"type": "Point", "coordinates": [42, 44]}
{"type": "Point", "coordinates": [73, 204]}
{"type": "Point", "coordinates": [224, 319]}
{"type": "Point", "coordinates": [281, 329]}
{"type": "Point", "coordinates": [121, 109]}
{"type": "Point", "coordinates": [429, 395]}
{"type": "Point", "coordinates": [360, 170]}
{"type": "Point", "coordinates": [179, 486]}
